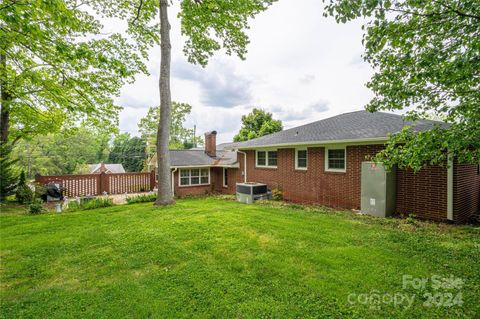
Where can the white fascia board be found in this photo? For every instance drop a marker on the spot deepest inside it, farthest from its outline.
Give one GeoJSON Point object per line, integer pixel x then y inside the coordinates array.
{"type": "Point", "coordinates": [206, 166]}
{"type": "Point", "coordinates": [373, 140]}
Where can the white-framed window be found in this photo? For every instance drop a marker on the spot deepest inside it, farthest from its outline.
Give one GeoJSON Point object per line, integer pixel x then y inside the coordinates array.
{"type": "Point", "coordinates": [301, 158]}
{"type": "Point", "coordinates": [225, 177]}
{"type": "Point", "coordinates": [336, 159]}
{"type": "Point", "coordinates": [194, 176]}
{"type": "Point", "coordinates": [266, 158]}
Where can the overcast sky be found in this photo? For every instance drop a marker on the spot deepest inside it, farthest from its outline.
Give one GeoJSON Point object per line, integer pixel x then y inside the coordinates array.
{"type": "Point", "coordinates": [300, 66]}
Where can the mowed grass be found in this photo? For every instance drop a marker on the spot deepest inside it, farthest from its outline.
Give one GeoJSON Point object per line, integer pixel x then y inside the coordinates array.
{"type": "Point", "coordinates": [218, 258]}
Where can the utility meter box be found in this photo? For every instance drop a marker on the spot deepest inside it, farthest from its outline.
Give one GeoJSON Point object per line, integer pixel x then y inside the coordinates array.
{"type": "Point", "coordinates": [378, 192]}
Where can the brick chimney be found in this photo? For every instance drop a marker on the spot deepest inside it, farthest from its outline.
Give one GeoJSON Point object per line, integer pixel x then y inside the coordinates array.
{"type": "Point", "coordinates": [211, 143]}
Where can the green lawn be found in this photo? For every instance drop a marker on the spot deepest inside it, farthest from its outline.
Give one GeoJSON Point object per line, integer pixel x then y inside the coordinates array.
{"type": "Point", "coordinates": [218, 258]}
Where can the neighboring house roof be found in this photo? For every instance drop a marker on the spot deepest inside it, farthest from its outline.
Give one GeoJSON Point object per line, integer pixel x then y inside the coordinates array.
{"type": "Point", "coordinates": [110, 168]}
{"type": "Point", "coordinates": [349, 127]}
{"type": "Point", "coordinates": [180, 158]}
{"type": "Point", "coordinates": [226, 146]}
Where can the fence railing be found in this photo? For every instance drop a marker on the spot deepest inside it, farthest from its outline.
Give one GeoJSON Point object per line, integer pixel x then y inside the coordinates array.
{"type": "Point", "coordinates": [98, 184]}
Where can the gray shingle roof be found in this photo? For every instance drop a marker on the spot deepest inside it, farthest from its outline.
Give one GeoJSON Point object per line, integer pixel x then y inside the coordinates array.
{"type": "Point", "coordinates": [198, 157]}
{"type": "Point", "coordinates": [114, 168]}
{"type": "Point", "coordinates": [360, 125]}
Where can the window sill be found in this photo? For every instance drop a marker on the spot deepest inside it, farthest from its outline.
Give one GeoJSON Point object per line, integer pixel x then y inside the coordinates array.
{"type": "Point", "coordinates": [196, 185]}
{"type": "Point", "coordinates": [301, 169]}
{"type": "Point", "coordinates": [336, 171]}
{"type": "Point", "coordinates": [267, 167]}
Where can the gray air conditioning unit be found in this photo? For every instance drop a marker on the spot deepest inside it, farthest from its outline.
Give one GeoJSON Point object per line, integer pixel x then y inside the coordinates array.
{"type": "Point", "coordinates": [249, 192]}
{"type": "Point", "coordinates": [378, 190]}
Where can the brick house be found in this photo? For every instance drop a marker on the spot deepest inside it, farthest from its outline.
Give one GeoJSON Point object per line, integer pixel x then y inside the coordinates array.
{"type": "Point", "coordinates": [321, 162]}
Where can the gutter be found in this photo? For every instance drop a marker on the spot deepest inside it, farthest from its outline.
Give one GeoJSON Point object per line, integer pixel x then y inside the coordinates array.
{"type": "Point", "coordinates": [173, 181]}
{"type": "Point", "coordinates": [450, 187]}
{"type": "Point", "coordinates": [205, 166]}
{"type": "Point", "coordinates": [244, 165]}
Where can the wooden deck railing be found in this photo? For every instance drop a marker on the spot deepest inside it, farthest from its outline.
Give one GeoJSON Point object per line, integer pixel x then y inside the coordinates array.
{"type": "Point", "coordinates": [98, 184]}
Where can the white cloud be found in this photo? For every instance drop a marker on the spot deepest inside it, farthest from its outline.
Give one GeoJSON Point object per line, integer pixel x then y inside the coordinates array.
{"type": "Point", "coordinates": [306, 65]}
{"type": "Point", "coordinates": [219, 83]}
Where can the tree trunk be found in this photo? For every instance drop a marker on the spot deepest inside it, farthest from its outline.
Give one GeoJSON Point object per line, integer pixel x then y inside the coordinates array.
{"type": "Point", "coordinates": [5, 102]}
{"type": "Point", "coordinates": [165, 195]}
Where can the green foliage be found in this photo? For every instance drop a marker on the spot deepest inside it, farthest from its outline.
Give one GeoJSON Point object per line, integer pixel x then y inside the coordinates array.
{"type": "Point", "coordinates": [179, 135]}
{"type": "Point", "coordinates": [93, 203]}
{"type": "Point", "coordinates": [411, 219]}
{"type": "Point", "coordinates": [425, 54]}
{"type": "Point", "coordinates": [266, 260]}
{"type": "Point", "coordinates": [8, 177]}
{"type": "Point", "coordinates": [128, 151]}
{"type": "Point", "coordinates": [64, 152]}
{"type": "Point", "coordinates": [36, 207]}
{"type": "Point", "coordinates": [24, 193]}
{"type": "Point", "coordinates": [39, 190]}
{"type": "Point", "coordinates": [59, 67]}
{"type": "Point", "coordinates": [213, 24]}
{"type": "Point", "coordinates": [141, 198]}
{"type": "Point", "coordinates": [277, 194]}
{"type": "Point", "coordinates": [257, 123]}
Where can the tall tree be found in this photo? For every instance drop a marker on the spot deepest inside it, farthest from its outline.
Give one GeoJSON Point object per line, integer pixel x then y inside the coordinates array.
{"type": "Point", "coordinates": [426, 59]}
{"type": "Point", "coordinates": [257, 123]}
{"type": "Point", "coordinates": [208, 25]}
{"type": "Point", "coordinates": [165, 194]}
{"type": "Point", "coordinates": [61, 152]}
{"type": "Point", "coordinates": [128, 151]}
{"type": "Point", "coordinates": [8, 177]}
{"type": "Point", "coordinates": [57, 68]}
{"type": "Point", "coordinates": [179, 135]}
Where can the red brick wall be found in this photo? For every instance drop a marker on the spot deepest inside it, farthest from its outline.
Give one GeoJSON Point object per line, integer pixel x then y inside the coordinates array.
{"type": "Point", "coordinates": [234, 176]}
{"type": "Point", "coordinates": [423, 193]}
{"type": "Point", "coordinates": [192, 190]}
{"type": "Point", "coordinates": [466, 192]}
{"type": "Point", "coordinates": [315, 185]}
{"type": "Point", "coordinates": [216, 182]}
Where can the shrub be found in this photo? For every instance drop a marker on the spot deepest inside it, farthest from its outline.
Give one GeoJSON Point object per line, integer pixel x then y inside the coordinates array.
{"type": "Point", "coordinates": [24, 193]}
{"type": "Point", "coordinates": [98, 203]}
{"type": "Point", "coordinates": [8, 178]}
{"type": "Point", "coordinates": [277, 194]}
{"type": "Point", "coordinates": [93, 203]}
{"type": "Point", "coordinates": [40, 190]}
{"type": "Point", "coordinates": [411, 219]}
{"type": "Point", "coordinates": [36, 207]}
{"type": "Point", "coordinates": [141, 198]}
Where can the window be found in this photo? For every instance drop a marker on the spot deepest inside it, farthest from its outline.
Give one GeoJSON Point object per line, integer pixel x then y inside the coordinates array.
{"type": "Point", "coordinates": [272, 158]}
{"type": "Point", "coordinates": [261, 158]}
{"type": "Point", "coordinates": [194, 176]}
{"type": "Point", "coordinates": [267, 158]}
{"type": "Point", "coordinates": [301, 159]}
{"type": "Point", "coordinates": [335, 160]}
{"type": "Point", "coordinates": [225, 177]}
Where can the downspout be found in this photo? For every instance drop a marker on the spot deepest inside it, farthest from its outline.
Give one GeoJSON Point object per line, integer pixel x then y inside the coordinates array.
{"type": "Point", "coordinates": [244, 165]}
{"type": "Point", "coordinates": [450, 187]}
{"type": "Point", "coordinates": [173, 181]}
